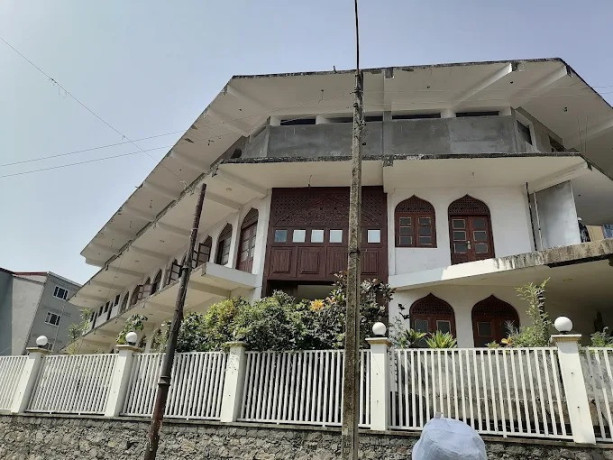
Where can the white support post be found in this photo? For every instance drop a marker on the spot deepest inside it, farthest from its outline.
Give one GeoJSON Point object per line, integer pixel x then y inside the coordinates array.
{"type": "Point", "coordinates": [120, 380]}
{"type": "Point", "coordinates": [379, 383]}
{"type": "Point", "coordinates": [29, 374]}
{"type": "Point", "coordinates": [232, 397]}
{"type": "Point", "coordinates": [574, 388]}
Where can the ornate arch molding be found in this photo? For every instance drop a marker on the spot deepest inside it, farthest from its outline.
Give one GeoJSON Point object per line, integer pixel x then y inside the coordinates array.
{"type": "Point", "coordinates": [468, 206]}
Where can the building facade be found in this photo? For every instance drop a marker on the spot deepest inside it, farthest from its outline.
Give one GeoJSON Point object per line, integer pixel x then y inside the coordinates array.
{"type": "Point", "coordinates": [34, 304]}
{"type": "Point", "coordinates": [477, 179]}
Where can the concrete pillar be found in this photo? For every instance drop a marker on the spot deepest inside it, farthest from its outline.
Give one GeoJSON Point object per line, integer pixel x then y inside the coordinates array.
{"type": "Point", "coordinates": [120, 380]}
{"type": "Point", "coordinates": [574, 388]}
{"type": "Point", "coordinates": [29, 374]}
{"type": "Point", "coordinates": [379, 383]}
{"type": "Point", "coordinates": [232, 396]}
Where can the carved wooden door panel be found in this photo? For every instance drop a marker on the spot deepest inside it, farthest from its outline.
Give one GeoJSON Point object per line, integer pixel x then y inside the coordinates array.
{"type": "Point", "coordinates": [471, 239]}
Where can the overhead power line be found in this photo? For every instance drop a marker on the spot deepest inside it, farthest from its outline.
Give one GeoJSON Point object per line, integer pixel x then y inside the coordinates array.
{"type": "Point", "coordinates": [84, 162]}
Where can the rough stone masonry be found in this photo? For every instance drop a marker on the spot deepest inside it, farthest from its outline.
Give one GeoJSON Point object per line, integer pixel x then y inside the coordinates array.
{"type": "Point", "coordinates": [51, 437]}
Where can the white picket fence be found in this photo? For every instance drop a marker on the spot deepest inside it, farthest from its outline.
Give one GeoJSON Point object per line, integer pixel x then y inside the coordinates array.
{"type": "Point", "coordinates": [76, 384]}
{"type": "Point", "coordinates": [597, 364]}
{"type": "Point", "coordinates": [300, 387]}
{"type": "Point", "coordinates": [508, 392]}
{"type": "Point", "coordinates": [196, 390]}
{"type": "Point", "coordinates": [10, 372]}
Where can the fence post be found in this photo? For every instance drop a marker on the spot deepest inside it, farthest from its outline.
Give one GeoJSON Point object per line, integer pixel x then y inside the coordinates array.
{"type": "Point", "coordinates": [120, 379]}
{"type": "Point", "coordinates": [232, 396]}
{"type": "Point", "coordinates": [379, 383]}
{"type": "Point", "coordinates": [29, 374]}
{"type": "Point", "coordinates": [574, 388]}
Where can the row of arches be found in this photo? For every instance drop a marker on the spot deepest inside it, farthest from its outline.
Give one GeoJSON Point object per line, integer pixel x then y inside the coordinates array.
{"type": "Point", "coordinates": [470, 227]}
{"type": "Point", "coordinates": [489, 316]}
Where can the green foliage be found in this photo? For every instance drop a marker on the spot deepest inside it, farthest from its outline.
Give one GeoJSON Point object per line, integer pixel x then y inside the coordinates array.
{"type": "Point", "coordinates": [440, 339]}
{"type": "Point", "coordinates": [492, 345]}
{"type": "Point", "coordinates": [602, 339]}
{"type": "Point", "coordinates": [76, 330]}
{"type": "Point", "coordinates": [538, 333]}
{"type": "Point", "coordinates": [280, 322]}
{"type": "Point", "coordinates": [134, 323]}
{"type": "Point", "coordinates": [407, 338]}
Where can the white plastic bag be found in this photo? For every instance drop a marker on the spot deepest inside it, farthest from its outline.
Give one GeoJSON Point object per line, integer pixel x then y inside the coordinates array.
{"type": "Point", "coordinates": [447, 439]}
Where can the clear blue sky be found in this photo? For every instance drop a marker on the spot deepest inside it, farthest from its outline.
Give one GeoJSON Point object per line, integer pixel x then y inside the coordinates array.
{"type": "Point", "coordinates": [150, 67]}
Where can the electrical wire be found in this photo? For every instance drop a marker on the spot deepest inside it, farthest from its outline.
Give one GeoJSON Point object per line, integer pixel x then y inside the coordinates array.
{"type": "Point", "coordinates": [83, 162]}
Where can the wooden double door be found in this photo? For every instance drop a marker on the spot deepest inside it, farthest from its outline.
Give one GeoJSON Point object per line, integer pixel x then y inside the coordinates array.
{"type": "Point", "coordinates": [308, 234]}
{"type": "Point", "coordinates": [471, 238]}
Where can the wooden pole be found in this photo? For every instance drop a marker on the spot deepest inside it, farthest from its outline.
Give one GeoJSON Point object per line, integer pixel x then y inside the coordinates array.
{"type": "Point", "coordinates": [351, 384]}
{"type": "Point", "coordinates": [153, 437]}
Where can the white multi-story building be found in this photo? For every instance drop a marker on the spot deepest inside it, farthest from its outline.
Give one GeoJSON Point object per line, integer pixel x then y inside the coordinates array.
{"type": "Point", "coordinates": [477, 177]}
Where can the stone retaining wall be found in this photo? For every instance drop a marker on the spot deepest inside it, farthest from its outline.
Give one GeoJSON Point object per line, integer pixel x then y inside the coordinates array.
{"type": "Point", "coordinates": [46, 437]}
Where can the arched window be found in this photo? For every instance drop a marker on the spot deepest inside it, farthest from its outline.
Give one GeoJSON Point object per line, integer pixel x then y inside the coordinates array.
{"type": "Point", "coordinates": [430, 314]}
{"type": "Point", "coordinates": [490, 318]}
{"type": "Point", "coordinates": [415, 224]}
{"type": "Point", "coordinates": [223, 246]}
{"type": "Point", "coordinates": [470, 230]}
{"type": "Point", "coordinates": [136, 294]}
{"type": "Point", "coordinates": [204, 251]}
{"type": "Point", "coordinates": [174, 272]}
{"type": "Point", "coordinates": [247, 241]}
{"type": "Point", "coordinates": [156, 284]}
{"type": "Point", "coordinates": [124, 303]}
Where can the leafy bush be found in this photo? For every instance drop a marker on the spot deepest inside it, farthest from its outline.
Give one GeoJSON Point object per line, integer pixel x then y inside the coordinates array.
{"type": "Point", "coordinates": [133, 323]}
{"type": "Point", "coordinates": [538, 333]}
{"type": "Point", "coordinates": [440, 339]}
{"type": "Point", "coordinates": [602, 339]}
{"type": "Point", "coordinates": [76, 330]}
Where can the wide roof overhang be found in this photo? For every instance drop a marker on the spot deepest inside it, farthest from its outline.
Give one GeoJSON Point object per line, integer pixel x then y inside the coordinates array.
{"type": "Point", "coordinates": [548, 89]}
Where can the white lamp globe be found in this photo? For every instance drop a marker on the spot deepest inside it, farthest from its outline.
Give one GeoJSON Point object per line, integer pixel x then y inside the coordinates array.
{"type": "Point", "coordinates": [131, 338]}
{"type": "Point", "coordinates": [42, 341]}
{"type": "Point", "coordinates": [379, 329]}
{"type": "Point", "coordinates": [563, 324]}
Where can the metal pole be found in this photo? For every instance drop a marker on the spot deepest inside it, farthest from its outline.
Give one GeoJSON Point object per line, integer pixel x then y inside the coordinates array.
{"type": "Point", "coordinates": [153, 437]}
{"type": "Point", "coordinates": [351, 386]}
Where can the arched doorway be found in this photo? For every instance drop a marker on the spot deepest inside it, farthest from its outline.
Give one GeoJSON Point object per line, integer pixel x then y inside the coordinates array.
{"type": "Point", "coordinates": [470, 230]}
{"type": "Point", "coordinates": [431, 314]}
{"type": "Point", "coordinates": [490, 318]}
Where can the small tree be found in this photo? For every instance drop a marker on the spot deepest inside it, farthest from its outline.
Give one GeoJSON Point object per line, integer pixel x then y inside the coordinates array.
{"type": "Point", "coordinates": [538, 333]}
{"type": "Point", "coordinates": [134, 323]}
{"type": "Point", "coordinates": [76, 330]}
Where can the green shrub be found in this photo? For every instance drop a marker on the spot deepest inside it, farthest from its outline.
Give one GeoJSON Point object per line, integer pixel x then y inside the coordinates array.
{"type": "Point", "coordinates": [133, 323]}
{"type": "Point", "coordinates": [602, 339]}
{"type": "Point", "coordinates": [538, 333]}
{"type": "Point", "coordinates": [440, 339]}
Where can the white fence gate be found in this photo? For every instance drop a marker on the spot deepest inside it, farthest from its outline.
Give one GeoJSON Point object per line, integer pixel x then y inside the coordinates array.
{"type": "Point", "coordinates": [597, 364]}
{"type": "Point", "coordinates": [196, 390]}
{"type": "Point", "coordinates": [10, 372]}
{"type": "Point", "coordinates": [508, 392]}
{"type": "Point", "coordinates": [76, 384]}
{"type": "Point", "coordinates": [302, 387]}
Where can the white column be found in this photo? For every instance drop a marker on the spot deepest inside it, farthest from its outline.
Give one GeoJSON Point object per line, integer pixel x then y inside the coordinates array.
{"type": "Point", "coordinates": [379, 383]}
{"type": "Point", "coordinates": [233, 385]}
{"type": "Point", "coordinates": [120, 380]}
{"type": "Point", "coordinates": [29, 374]}
{"type": "Point", "coordinates": [574, 388]}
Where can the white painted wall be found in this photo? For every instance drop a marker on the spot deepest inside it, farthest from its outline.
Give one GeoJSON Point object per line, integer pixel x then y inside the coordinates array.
{"type": "Point", "coordinates": [511, 227]}
{"type": "Point", "coordinates": [462, 299]}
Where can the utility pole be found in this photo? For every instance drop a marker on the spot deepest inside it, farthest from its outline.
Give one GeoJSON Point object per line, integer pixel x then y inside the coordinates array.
{"type": "Point", "coordinates": [351, 386]}
{"type": "Point", "coordinates": [153, 438]}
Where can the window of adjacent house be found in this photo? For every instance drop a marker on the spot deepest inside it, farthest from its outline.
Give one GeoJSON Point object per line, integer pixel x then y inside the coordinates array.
{"type": "Point", "coordinates": [493, 113]}
{"type": "Point", "coordinates": [223, 247]}
{"type": "Point", "coordinates": [60, 293]}
{"type": "Point", "coordinates": [415, 224]}
{"type": "Point", "coordinates": [524, 132]}
{"type": "Point", "coordinates": [52, 319]}
{"type": "Point", "coordinates": [555, 145]}
{"type": "Point", "coordinates": [204, 251]}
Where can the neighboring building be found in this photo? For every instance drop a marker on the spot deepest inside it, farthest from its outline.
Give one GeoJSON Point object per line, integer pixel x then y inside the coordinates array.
{"type": "Point", "coordinates": [34, 304]}
{"type": "Point", "coordinates": [475, 176]}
